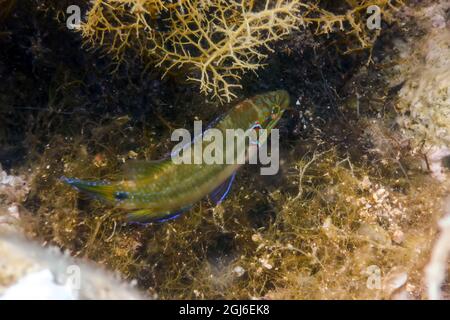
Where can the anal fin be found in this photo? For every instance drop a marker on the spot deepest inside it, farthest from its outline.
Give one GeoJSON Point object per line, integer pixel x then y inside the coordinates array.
{"type": "Point", "coordinates": [146, 216]}
{"type": "Point", "coordinates": [220, 193]}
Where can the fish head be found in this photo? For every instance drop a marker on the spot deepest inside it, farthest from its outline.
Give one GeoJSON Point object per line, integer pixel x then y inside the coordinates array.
{"type": "Point", "coordinates": [271, 106]}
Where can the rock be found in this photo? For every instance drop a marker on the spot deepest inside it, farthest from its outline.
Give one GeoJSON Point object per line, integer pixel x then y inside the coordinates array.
{"type": "Point", "coordinates": [239, 271]}
{"type": "Point", "coordinates": [39, 285]}
{"type": "Point", "coordinates": [398, 237]}
{"type": "Point", "coordinates": [29, 271]}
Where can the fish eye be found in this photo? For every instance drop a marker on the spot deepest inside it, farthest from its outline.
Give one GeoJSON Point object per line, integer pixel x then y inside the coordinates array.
{"type": "Point", "coordinates": [121, 195]}
{"type": "Point", "coordinates": [276, 109]}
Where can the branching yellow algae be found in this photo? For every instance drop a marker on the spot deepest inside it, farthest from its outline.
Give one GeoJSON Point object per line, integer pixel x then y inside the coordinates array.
{"type": "Point", "coordinates": [216, 41]}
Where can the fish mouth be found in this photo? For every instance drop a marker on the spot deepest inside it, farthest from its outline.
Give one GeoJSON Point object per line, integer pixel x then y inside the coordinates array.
{"type": "Point", "coordinates": [273, 120]}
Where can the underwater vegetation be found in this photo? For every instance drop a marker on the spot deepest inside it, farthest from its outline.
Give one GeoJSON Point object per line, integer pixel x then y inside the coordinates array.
{"type": "Point", "coordinates": [314, 234]}
{"type": "Point", "coordinates": [213, 42]}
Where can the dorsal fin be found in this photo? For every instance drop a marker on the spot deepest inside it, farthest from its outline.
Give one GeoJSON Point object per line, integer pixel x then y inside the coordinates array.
{"type": "Point", "coordinates": [211, 125]}
{"type": "Point", "coordinates": [138, 169]}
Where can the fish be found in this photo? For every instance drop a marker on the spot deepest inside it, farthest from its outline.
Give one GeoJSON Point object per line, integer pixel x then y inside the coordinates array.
{"type": "Point", "coordinates": [158, 191]}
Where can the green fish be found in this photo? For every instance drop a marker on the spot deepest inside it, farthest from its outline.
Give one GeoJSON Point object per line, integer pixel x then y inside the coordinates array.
{"type": "Point", "coordinates": [160, 191]}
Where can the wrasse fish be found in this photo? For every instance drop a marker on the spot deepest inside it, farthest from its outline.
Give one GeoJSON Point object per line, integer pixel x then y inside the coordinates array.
{"type": "Point", "coordinates": [159, 191]}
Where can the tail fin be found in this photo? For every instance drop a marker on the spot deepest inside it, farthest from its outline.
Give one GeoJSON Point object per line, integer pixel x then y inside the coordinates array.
{"type": "Point", "coordinates": [99, 189]}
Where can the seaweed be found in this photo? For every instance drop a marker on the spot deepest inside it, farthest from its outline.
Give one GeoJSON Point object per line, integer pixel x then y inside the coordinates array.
{"type": "Point", "coordinates": [215, 42]}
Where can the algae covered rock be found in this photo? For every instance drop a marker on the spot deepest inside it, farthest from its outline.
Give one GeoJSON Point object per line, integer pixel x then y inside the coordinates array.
{"type": "Point", "coordinates": [29, 271]}
{"type": "Point", "coordinates": [424, 100]}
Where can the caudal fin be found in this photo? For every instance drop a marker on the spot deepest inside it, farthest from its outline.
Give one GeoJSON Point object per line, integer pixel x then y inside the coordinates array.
{"type": "Point", "coordinates": [98, 189]}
